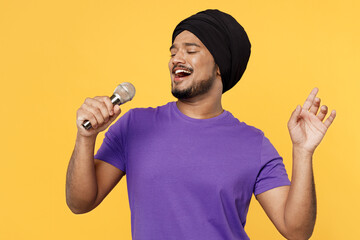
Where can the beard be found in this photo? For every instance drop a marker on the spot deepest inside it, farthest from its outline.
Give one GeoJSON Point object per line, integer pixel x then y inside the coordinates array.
{"type": "Point", "coordinates": [196, 89]}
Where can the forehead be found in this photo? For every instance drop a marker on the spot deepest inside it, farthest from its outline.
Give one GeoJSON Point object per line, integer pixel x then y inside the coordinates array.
{"type": "Point", "coordinates": [186, 38]}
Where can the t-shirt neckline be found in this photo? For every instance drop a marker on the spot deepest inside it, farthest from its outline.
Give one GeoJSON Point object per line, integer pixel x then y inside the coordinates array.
{"type": "Point", "coordinates": [222, 116]}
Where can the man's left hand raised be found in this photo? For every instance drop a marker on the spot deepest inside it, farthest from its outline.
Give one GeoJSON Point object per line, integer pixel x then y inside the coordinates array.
{"type": "Point", "coordinates": [307, 126]}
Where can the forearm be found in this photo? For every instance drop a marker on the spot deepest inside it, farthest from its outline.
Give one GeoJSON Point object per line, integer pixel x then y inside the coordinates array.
{"type": "Point", "coordinates": [300, 209]}
{"type": "Point", "coordinates": [81, 184]}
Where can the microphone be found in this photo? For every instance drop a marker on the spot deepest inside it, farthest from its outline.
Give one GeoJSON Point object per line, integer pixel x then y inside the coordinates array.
{"type": "Point", "coordinates": [123, 93]}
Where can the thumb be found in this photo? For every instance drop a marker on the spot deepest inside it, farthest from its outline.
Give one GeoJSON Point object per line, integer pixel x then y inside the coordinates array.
{"type": "Point", "coordinates": [294, 117]}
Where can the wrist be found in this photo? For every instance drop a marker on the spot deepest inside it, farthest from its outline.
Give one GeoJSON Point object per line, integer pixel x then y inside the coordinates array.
{"type": "Point", "coordinates": [86, 139]}
{"type": "Point", "coordinates": [299, 151]}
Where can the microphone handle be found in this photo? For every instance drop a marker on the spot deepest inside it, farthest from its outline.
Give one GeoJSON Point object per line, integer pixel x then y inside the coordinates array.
{"type": "Point", "coordinates": [115, 99]}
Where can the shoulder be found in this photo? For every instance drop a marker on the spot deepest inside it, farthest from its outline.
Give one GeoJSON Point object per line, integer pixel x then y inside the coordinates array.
{"type": "Point", "coordinates": [137, 119]}
{"type": "Point", "coordinates": [247, 128]}
{"type": "Point", "coordinates": [257, 136]}
{"type": "Point", "coordinates": [147, 115]}
{"type": "Point", "coordinates": [253, 130]}
{"type": "Point", "coordinates": [149, 111]}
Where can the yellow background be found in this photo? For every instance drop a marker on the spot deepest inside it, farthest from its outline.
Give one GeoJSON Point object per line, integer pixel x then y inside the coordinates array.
{"type": "Point", "coordinates": [54, 54]}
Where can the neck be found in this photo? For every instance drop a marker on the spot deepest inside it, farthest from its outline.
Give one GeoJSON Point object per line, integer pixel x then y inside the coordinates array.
{"type": "Point", "coordinates": [201, 107]}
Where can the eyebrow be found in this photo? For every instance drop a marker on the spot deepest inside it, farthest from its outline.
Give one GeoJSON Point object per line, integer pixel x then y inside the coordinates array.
{"type": "Point", "coordinates": [186, 44]}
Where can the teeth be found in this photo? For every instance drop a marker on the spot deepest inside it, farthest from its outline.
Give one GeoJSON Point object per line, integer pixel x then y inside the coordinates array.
{"type": "Point", "coordinates": [182, 70]}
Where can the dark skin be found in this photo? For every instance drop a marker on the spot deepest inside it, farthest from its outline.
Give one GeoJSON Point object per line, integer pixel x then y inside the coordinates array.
{"type": "Point", "coordinates": [198, 57]}
{"type": "Point", "coordinates": [292, 208]}
{"type": "Point", "coordinates": [88, 180]}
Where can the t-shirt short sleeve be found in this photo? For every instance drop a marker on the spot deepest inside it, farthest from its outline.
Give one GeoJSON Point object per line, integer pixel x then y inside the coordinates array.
{"type": "Point", "coordinates": [272, 172]}
{"type": "Point", "coordinates": [113, 148]}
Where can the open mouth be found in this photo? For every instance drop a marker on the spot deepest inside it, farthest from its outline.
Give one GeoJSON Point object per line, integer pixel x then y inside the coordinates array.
{"type": "Point", "coordinates": [181, 72]}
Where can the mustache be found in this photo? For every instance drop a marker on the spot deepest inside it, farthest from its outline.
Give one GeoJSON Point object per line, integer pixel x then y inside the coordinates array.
{"type": "Point", "coordinates": [182, 66]}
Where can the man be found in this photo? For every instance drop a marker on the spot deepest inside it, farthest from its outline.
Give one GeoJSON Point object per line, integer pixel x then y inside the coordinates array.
{"type": "Point", "coordinates": [191, 166]}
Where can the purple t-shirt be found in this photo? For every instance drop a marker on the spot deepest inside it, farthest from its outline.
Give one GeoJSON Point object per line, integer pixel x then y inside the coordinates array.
{"type": "Point", "coordinates": [190, 178]}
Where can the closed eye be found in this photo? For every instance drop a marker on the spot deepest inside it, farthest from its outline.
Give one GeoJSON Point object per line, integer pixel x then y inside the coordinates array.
{"type": "Point", "coordinates": [192, 52]}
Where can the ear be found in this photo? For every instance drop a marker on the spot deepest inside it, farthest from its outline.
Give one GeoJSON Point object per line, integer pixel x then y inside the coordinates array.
{"type": "Point", "coordinates": [218, 70]}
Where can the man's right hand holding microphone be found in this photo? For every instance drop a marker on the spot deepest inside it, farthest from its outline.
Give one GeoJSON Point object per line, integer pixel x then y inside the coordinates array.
{"type": "Point", "coordinates": [89, 180]}
{"type": "Point", "coordinates": [99, 111]}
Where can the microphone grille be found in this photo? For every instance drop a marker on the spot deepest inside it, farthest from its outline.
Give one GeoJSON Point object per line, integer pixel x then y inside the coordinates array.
{"type": "Point", "coordinates": [126, 92]}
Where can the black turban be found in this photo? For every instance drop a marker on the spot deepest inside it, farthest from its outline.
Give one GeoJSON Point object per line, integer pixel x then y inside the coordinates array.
{"type": "Point", "coordinates": [225, 39]}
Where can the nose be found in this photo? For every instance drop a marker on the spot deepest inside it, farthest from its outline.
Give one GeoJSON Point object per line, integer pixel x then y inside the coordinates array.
{"type": "Point", "coordinates": [178, 58]}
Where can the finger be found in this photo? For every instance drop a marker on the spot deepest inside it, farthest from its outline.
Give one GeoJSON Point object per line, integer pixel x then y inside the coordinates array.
{"type": "Point", "coordinates": [117, 112]}
{"type": "Point", "coordinates": [109, 105]}
{"type": "Point", "coordinates": [99, 104]}
{"type": "Point", "coordinates": [330, 119]}
{"type": "Point", "coordinates": [315, 106]}
{"type": "Point", "coordinates": [97, 114]}
{"type": "Point", "coordinates": [310, 99]}
{"type": "Point", "coordinates": [111, 119]}
{"type": "Point", "coordinates": [86, 115]}
{"type": "Point", "coordinates": [106, 100]}
{"type": "Point", "coordinates": [322, 113]}
{"type": "Point", "coordinates": [294, 117]}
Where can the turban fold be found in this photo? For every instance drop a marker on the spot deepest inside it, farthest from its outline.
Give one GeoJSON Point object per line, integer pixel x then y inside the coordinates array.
{"type": "Point", "coordinates": [225, 39]}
